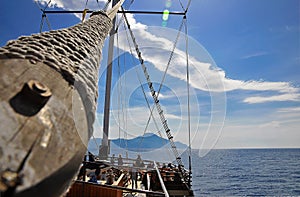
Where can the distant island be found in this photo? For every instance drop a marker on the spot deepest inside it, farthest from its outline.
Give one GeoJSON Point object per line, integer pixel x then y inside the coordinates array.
{"type": "Point", "coordinates": [148, 142]}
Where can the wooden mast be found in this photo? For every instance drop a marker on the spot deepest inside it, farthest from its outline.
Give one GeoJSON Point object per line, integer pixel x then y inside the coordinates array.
{"type": "Point", "coordinates": [48, 93]}
{"type": "Point", "coordinates": [104, 147]}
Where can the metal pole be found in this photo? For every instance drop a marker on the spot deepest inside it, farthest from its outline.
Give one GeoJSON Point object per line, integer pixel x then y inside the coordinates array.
{"type": "Point", "coordinates": [161, 181]}
{"type": "Point", "coordinates": [120, 11]}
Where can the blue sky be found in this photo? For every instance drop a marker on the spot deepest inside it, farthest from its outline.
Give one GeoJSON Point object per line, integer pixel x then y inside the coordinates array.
{"type": "Point", "coordinates": [252, 56]}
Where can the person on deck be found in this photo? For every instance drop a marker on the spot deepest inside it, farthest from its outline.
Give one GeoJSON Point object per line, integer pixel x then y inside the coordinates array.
{"type": "Point", "coordinates": [93, 178]}
{"type": "Point", "coordinates": [110, 177]}
{"type": "Point", "coordinates": [120, 160]}
{"type": "Point", "coordinates": [91, 157]}
{"type": "Point", "coordinates": [81, 174]}
{"type": "Point", "coordinates": [112, 160]}
{"type": "Point", "coordinates": [134, 175]}
{"type": "Point", "coordinates": [151, 165]}
{"type": "Point", "coordinates": [103, 175]}
{"type": "Point", "coordinates": [139, 162]}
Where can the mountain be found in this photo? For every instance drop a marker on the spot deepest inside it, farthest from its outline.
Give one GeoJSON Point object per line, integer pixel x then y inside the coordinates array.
{"type": "Point", "coordinates": [148, 142]}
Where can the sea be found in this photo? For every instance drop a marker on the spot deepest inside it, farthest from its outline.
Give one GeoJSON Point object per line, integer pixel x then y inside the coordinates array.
{"type": "Point", "coordinates": [235, 172]}
{"type": "Point", "coordinates": [247, 172]}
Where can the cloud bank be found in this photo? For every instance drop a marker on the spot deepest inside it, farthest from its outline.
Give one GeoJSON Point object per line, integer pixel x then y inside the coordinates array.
{"type": "Point", "coordinates": [213, 78]}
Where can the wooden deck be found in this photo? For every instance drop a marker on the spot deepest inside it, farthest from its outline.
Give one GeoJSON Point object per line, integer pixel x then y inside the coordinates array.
{"type": "Point", "coordinates": [87, 189]}
{"type": "Point", "coordinates": [81, 189]}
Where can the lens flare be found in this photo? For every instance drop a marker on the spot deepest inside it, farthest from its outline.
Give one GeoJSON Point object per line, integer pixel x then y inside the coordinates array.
{"type": "Point", "coordinates": [168, 3]}
{"type": "Point", "coordinates": [165, 16]}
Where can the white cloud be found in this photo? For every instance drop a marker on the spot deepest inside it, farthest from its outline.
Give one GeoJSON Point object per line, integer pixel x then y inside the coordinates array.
{"type": "Point", "coordinates": [172, 116]}
{"type": "Point", "coordinates": [279, 128]}
{"type": "Point", "coordinates": [256, 54]}
{"type": "Point", "coordinates": [72, 5]}
{"type": "Point", "coordinates": [282, 97]}
{"type": "Point", "coordinates": [283, 87]}
{"type": "Point", "coordinates": [272, 124]}
{"type": "Point", "coordinates": [289, 109]}
{"type": "Point", "coordinates": [204, 75]}
{"type": "Point", "coordinates": [266, 135]}
{"type": "Point", "coordinates": [134, 24]}
{"type": "Point", "coordinates": [289, 114]}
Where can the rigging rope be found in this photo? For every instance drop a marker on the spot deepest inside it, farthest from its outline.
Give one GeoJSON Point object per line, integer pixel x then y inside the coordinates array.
{"type": "Point", "coordinates": [44, 16]}
{"type": "Point", "coordinates": [148, 105]}
{"type": "Point", "coordinates": [98, 4]}
{"type": "Point", "coordinates": [124, 106]}
{"type": "Point", "coordinates": [156, 125]}
{"type": "Point", "coordinates": [42, 22]}
{"type": "Point", "coordinates": [95, 141]}
{"type": "Point", "coordinates": [83, 14]}
{"type": "Point", "coordinates": [106, 5]}
{"type": "Point", "coordinates": [119, 88]}
{"type": "Point", "coordinates": [86, 4]}
{"type": "Point", "coordinates": [166, 70]}
{"type": "Point", "coordinates": [122, 17]}
{"type": "Point", "coordinates": [181, 5]}
{"type": "Point", "coordinates": [187, 7]}
{"type": "Point", "coordinates": [84, 11]}
{"type": "Point", "coordinates": [156, 101]}
{"type": "Point", "coordinates": [121, 96]}
{"type": "Point", "coordinates": [170, 58]}
{"type": "Point", "coordinates": [48, 23]}
{"type": "Point", "coordinates": [188, 99]}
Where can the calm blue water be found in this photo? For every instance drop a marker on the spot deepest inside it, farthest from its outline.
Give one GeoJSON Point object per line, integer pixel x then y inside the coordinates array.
{"type": "Point", "coordinates": [247, 172]}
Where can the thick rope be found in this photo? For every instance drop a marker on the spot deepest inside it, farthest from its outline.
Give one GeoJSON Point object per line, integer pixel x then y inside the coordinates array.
{"type": "Point", "coordinates": [74, 52]}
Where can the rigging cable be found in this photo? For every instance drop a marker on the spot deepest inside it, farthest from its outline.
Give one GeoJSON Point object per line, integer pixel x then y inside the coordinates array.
{"type": "Point", "coordinates": [95, 141]}
{"type": "Point", "coordinates": [106, 5]}
{"type": "Point", "coordinates": [170, 58]}
{"type": "Point", "coordinates": [98, 4]}
{"type": "Point", "coordinates": [156, 101]}
{"type": "Point", "coordinates": [48, 23]}
{"type": "Point", "coordinates": [42, 22]}
{"type": "Point", "coordinates": [155, 123]}
{"type": "Point", "coordinates": [117, 27]}
{"type": "Point", "coordinates": [189, 117]}
{"type": "Point", "coordinates": [166, 70]}
{"type": "Point", "coordinates": [188, 98]}
{"type": "Point", "coordinates": [84, 11]}
{"type": "Point", "coordinates": [181, 5]}
{"type": "Point", "coordinates": [86, 4]}
{"type": "Point", "coordinates": [124, 106]}
{"type": "Point", "coordinates": [122, 17]}
{"type": "Point", "coordinates": [148, 104]}
{"type": "Point", "coordinates": [146, 99]}
{"type": "Point", "coordinates": [118, 87]}
{"type": "Point", "coordinates": [44, 16]}
{"type": "Point", "coordinates": [120, 95]}
{"type": "Point", "coordinates": [187, 7]}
